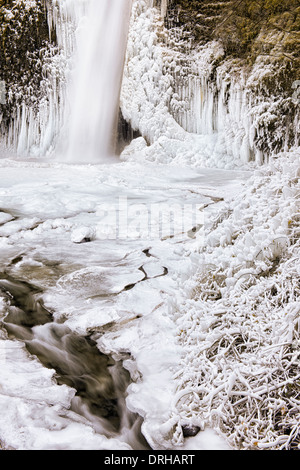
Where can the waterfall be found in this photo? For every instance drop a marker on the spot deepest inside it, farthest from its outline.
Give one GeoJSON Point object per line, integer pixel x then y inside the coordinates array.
{"type": "Point", "coordinates": [75, 119]}
{"type": "Point", "coordinates": [97, 81]}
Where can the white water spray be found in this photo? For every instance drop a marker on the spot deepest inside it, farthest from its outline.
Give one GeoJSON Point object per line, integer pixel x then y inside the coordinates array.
{"type": "Point", "coordinates": [97, 81]}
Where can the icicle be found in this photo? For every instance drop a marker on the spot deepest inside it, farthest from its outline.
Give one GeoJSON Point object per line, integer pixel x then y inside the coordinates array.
{"type": "Point", "coordinates": [164, 7]}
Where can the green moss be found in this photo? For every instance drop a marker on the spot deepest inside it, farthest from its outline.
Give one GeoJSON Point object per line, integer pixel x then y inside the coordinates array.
{"type": "Point", "coordinates": [239, 24]}
{"type": "Point", "coordinates": [247, 30]}
{"type": "Point", "coordinates": [244, 29]}
{"type": "Point", "coordinates": [199, 17]}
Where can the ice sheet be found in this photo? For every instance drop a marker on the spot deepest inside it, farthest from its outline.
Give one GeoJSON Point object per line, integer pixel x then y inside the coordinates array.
{"type": "Point", "coordinates": [120, 289]}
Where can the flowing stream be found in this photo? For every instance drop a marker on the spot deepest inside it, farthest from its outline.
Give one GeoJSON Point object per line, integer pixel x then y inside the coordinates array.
{"type": "Point", "coordinates": [97, 81]}
{"type": "Point", "coordinates": [99, 381]}
{"type": "Point", "coordinates": [94, 94]}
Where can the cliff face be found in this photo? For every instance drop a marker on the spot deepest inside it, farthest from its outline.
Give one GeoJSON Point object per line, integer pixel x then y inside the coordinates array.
{"type": "Point", "coordinates": [38, 39]}
{"type": "Point", "coordinates": [241, 26]}
{"type": "Point", "coordinates": [258, 36]}
{"type": "Point", "coordinates": [24, 49]}
{"type": "Point", "coordinates": [199, 17]}
{"type": "Point", "coordinates": [227, 69]}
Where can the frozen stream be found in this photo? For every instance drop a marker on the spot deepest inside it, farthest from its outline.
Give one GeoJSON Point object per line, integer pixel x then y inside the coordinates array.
{"type": "Point", "coordinates": [85, 252]}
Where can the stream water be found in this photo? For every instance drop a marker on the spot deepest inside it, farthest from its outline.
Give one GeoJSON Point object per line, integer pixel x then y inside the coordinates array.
{"type": "Point", "coordinates": [96, 308]}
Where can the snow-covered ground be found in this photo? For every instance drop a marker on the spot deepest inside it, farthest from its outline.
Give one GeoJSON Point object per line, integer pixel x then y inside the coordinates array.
{"type": "Point", "coordinates": [46, 210]}
{"type": "Point", "coordinates": [240, 326]}
{"type": "Point", "coordinates": [204, 320]}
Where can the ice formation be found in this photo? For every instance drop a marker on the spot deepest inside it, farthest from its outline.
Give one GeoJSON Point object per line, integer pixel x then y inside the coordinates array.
{"type": "Point", "coordinates": [218, 333]}
{"type": "Point", "coordinates": [171, 93]}
{"type": "Point", "coordinates": [208, 329]}
{"type": "Point", "coordinates": [81, 84]}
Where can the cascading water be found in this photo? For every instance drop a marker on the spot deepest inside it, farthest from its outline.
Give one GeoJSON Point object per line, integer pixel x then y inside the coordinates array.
{"type": "Point", "coordinates": [97, 81]}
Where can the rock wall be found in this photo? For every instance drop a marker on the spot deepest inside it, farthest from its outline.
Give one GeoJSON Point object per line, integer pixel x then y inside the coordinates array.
{"type": "Point", "coordinates": [193, 68]}
{"type": "Point", "coordinates": [183, 68]}
{"type": "Point", "coordinates": [25, 50]}
{"type": "Point", "coordinates": [41, 35]}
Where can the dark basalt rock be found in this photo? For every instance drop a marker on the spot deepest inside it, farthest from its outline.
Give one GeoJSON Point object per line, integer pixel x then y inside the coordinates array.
{"type": "Point", "coordinates": [190, 430]}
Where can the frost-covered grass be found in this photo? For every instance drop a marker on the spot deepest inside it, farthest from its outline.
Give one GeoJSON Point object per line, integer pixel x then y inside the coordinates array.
{"type": "Point", "coordinates": [213, 344]}
{"type": "Point", "coordinates": [240, 326]}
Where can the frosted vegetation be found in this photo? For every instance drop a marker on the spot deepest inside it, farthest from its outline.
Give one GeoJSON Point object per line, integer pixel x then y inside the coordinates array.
{"type": "Point", "coordinates": [217, 343]}
{"type": "Point", "coordinates": [240, 323]}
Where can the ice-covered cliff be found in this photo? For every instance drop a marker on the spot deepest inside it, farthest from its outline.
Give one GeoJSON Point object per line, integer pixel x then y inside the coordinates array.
{"type": "Point", "coordinates": [239, 112]}
{"type": "Point", "coordinates": [188, 98]}
{"type": "Point", "coordinates": [35, 113]}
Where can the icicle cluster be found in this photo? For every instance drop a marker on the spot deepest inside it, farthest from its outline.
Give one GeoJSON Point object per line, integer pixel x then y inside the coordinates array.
{"type": "Point", "coordinates": [240, 325]}
{"type": "Point", "coordinates": [36, 129]}
{"type": "Point", "coordinates": [167, 82]}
